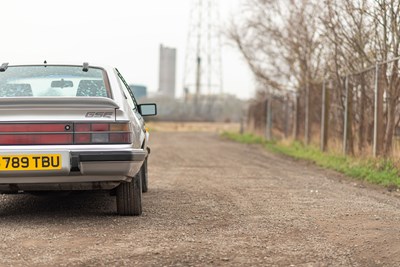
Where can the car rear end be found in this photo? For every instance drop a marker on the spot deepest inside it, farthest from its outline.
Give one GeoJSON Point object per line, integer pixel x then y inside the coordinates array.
{"type": "Point", "coordinates": [64, 128]}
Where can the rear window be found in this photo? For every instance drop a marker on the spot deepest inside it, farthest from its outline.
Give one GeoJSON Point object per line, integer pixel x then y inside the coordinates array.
{"type": "Point", "coordinates": [62, 81]}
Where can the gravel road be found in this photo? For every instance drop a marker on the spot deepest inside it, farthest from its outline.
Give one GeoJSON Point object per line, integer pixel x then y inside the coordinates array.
{"type": "Point", "coordinates": [211, 202]}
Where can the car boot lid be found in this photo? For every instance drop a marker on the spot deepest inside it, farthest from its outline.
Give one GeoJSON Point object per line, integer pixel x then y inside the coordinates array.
{"type": "Point", "coordinates": [58, 102]}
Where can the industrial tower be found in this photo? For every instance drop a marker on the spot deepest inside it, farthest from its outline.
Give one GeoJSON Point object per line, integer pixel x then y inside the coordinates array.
{"type": "Point", "coordinates": [203, 62]}
{"type": "Point", "coordinates": [167, 73]}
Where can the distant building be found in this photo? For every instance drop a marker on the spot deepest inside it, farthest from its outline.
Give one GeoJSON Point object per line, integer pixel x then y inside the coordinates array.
{"type": "Point", "coordinates": [167, 74]}
{"type": "Point", "coordinates": [139, 91]}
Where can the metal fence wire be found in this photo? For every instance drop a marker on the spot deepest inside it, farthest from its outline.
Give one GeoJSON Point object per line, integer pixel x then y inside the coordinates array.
{"type": "Point", "coordinates": [358, 114]}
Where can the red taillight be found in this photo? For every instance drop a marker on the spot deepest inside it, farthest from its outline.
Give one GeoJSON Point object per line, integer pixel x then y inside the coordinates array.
{"type": "Point", "coordinates": [82, 138]}
{"type": "Point", "coordinates": [36, 134]}
{"type": "Point", "coordinates": [102, 133]}
{"type": "Point", "coordinates": [120, 138]}
{"type": "Point", "coordinates": [30, 127]}
{"type": "Point", "coordinates": [82, 127]}
{"type": "Point", "coordinates": [36, 139]}
{"type": "Point", "coordinates": [100, 127]}
{"type": "Point", "coordinates": [64, 133]}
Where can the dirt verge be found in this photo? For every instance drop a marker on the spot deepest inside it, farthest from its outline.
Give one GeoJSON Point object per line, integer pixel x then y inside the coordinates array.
{"type": "Point", "coordinates": [210, 202]}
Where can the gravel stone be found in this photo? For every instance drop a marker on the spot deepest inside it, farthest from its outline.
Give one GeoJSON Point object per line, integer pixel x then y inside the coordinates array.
{"type": "Point", "coordinates": [211, 202]}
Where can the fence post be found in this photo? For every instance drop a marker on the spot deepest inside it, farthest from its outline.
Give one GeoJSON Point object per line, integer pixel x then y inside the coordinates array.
{"type": "Point", "coordinates": [378, 115]}
{"type": "Point", "coordinates": [346, 115]}
{"type": "Point", "coordinates": [268, 130]}
{"type": "Point", "coordinates": [307, 116]}
{"type": "Point", "coordinates": [242, 118]}
{"type": "Point", "coordinates": [296, 117]}
{"type": "Point", "coordinates": [286, 115]}
{"type": "Point", "coordinates": [324, 117]}
{"type": "Point", "coordinates": [270, 119]}
{"type": "Point", "coordinates": [375, 143]}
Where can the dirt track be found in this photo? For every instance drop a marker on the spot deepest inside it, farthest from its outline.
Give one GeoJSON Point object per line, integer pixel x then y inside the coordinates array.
{"type": "Point", "coordinates": [211, 202]}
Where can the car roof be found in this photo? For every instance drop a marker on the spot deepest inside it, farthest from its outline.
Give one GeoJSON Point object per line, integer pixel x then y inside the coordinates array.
{"type": "Point", "coordinates": [57, 63]}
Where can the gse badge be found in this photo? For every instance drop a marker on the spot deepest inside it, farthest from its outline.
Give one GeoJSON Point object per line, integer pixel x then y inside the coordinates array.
{"type": "Point", "coordinates": [99, 115]}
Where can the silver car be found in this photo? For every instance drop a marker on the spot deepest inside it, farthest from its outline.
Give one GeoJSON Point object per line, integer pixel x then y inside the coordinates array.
{"type": "Point", "coordinates": [72, 127]}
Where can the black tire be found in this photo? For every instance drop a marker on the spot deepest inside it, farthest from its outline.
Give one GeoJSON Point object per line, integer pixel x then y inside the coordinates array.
{"type": "Point", "coordinates": [129, 197]}
{"type": "Point", "coordinates": [145, 179]}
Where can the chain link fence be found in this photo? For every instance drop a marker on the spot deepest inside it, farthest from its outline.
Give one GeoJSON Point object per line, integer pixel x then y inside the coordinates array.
{"type": "Point", "coordinates": [358, 114]}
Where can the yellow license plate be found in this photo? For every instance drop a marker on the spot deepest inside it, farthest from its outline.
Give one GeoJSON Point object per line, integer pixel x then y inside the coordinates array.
{"type": "Point", "coordinates": [30, 162]}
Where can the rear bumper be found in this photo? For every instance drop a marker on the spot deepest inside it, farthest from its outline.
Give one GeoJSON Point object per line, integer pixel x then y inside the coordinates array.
{"type": "Point", "coordinates": [80, 167]}
{"type": "Point", "coordinates": [107, 163]}
{"type": "Point", "coordinates": [100, 156]}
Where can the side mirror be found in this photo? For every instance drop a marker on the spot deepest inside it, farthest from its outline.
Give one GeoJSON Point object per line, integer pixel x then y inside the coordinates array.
{"type": "Point", "coordinates": [147, 109]}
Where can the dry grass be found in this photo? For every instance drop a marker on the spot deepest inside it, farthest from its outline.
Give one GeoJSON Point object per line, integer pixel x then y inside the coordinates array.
{"type": "Point", "coordinates": [215, 127]}
{"type": "Point", "coordinates": [374, 170]}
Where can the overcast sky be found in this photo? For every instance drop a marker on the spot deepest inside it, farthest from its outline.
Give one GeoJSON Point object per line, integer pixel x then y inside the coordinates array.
{"type": "Point", "coordinates": [122, 33]}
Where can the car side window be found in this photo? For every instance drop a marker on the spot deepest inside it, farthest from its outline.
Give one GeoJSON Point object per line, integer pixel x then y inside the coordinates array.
{"type": "Point", "coordinates": [127, 91]}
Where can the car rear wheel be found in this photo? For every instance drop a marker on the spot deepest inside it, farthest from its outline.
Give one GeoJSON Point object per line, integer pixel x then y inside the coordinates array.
{"type": "Point", "coordinates": [129, 197]}
{"type": "Point", "coordinates": [145, 176]}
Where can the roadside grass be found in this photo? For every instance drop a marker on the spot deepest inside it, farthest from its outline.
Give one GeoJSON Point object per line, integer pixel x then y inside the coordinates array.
{"type": "Point", "coordinates": [377, 171]}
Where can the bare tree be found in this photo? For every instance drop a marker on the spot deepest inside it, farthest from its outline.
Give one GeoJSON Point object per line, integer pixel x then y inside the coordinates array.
{"type": "Point", "coordinates": [295, 44]}
{"type": "Point", "coordinates": [386, 14]}
{"type": "Point", "coordinates": [348, 31]}
{"type": "Point", "coordinates": [281, 42]}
